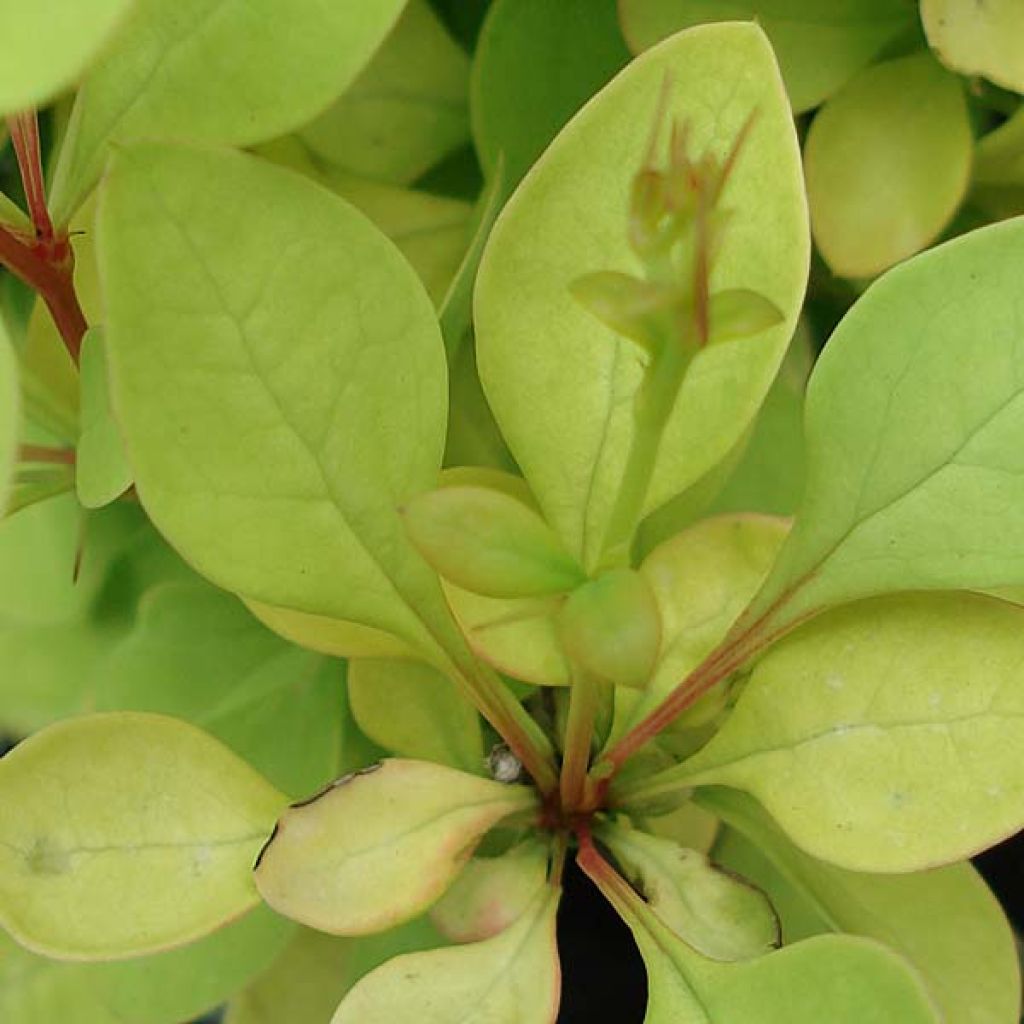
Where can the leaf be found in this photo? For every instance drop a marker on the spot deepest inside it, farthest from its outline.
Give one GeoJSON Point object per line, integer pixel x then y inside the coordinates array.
{"type": "Point", "coordinates": [535, 65]}
{"type": "Point", "coordinates": [819, 48]}
{"type": "Point", "coordinates": [719, 915]}
{"type": "Point", "coordinates": [878, 738]}
{"type": "Point", "coordinates": [473, 436]}
{"type": "Point", "coordinates": [513, 976]}
{"type": "Point", "coordinates": [977, 39]}
{"type": "Point", "coordinates": [570, 217]}
{"type": "Point", "coordinates": [101, 472]}
{"type": "Point", "coordinates": [406, 111]}
{"type": "Point", "coordinates": [492, 893]}
{"type": "Point", "coordinates": [888, 161]}
{"type": "Point", "coordinates": [409, 708]}
{"type": "Point", "coordinates": [380, 846]}
{"type": "Point", "coordinates": [305, 398]}
{"type": "Point", "coordinates": [172, 986]}
{"type": "Point", "coordinates": [274, 69]}
{"type": "Point", "coordinates": [9, 415]}
{"type": "Point", "coordinates": [96, 811]}
{"type": "Point", "coordinates": [484, 541]}
{"type": "Point", "coordinates": [945, 922]}
{"type": "Point", "coordinates": [197, 654]}
{"type": "Point", "coordinates": [924, 500]}
{"type": "Point", "coordinates": [308, 980]}
{"type": "Point", "coordinates": [47, 44]}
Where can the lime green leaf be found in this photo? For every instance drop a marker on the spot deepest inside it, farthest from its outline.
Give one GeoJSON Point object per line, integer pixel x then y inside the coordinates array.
{"type": "Point", "coordinates": [308, 980]}
{"type": "Point", "coordinates": [945, 922]}
{"type": "Point", "coordinates": [213, 72]}
{"type": "Point", "coordinates": [719, 915]}
{"type": "Point", "coordinates": [9, 415]}
{"type": "Point", "coordinates": [492, 893]}
{"type": "Point", "coordinates": [407, 110]}
{"type": "Point", "coordinates": [473, 436]}
{"type": "Point", "coordinates": [513, 976]}
{"type": "Point", "coordinates": [409, 708]}
{"type": "Point", "coordinates": [197, 654]}
{"type": "Point", "coordinates": [819, 46]}
{"type": "Point", "coordinates": [877, 737]}
{"type": "Point", "coordinates": [487, 542]}
{"type": "Point", "coordinates": [47, 44]}
{"type": "Point", "coordinates": [305, 401]}
{"type": "Point", "coordinates": [924, 500]}
{"type": "Point", "coordinates": [888, 161]}
{"type": "Point", "coordinates": [101, 472]}
{"type": "Point", "coordinates": [570, 217]}
{"type": "Point", "coordinates": [95, 810]}
{"type": "Point", "coordinates": [688, 825]}
{"type": "Point", "coordinates": [536, 64]}
{"type": "Point", "coordinates": [737, 313]}
{"type": "Point", "coordinates": [380, 846]}
{"type": "Point", "coordinates": [978, 39]}
{"type": "Point", "coordinates": [519, 638]}
{"type": "Point", "coordinates": [11, 214]}
{"type": "Point", "coordinates": [177, 985]}
{"type": "Point", "coordinates": [999, 155]}
{"type": "Point", "coordinates": [611, 628]}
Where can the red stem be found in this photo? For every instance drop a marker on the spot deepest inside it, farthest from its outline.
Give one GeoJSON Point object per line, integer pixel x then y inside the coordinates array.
{"type": "Point", "coordinates": [24, 129]}
{"type": "Point", "coordinates": [42, 453]}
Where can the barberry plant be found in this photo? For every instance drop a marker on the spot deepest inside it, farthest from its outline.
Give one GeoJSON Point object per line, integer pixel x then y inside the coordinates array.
{"type": "Point", "coordinates": [371, 552]}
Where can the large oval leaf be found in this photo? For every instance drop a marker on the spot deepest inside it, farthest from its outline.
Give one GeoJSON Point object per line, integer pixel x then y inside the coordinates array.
{"type": "Point", "coordinates": [46, 44]}
{"type": "Point", "coordinates": [514, 976]}
{"type": "Point", "coordinates": [914, 420]}
{"type": "Point", "coordinates": [549, 368]}
{"type": "Point", "coordinates": [380, 846]}
{"type": "Point", "coordinates": [888, 160]}
{"type": "Point", "coordinates": [946, 922]}
{"type": "Point", "coordinates": [9, 415]}
{"type": "Point", "coordinates": [819, 46]}
{"type": "Point", "coordinates": [125, 834]}
{"type": "Point", "coordinates": [978, 39]}
{"type": "Point", "coordinates": [280, 379]}
{"type": "Point", "coordinates": [206, 70]}
{"type": "Point", "coordinates": [886, 736]}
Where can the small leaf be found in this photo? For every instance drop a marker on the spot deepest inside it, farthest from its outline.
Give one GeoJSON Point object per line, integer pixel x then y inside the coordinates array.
{"type": "Point", "coordinates": [380, 846]}
{"type": "Point", "coordinates": [177, 985]}
{"type": "Point", "coordinates": [611, 627]}
{"type": "Point", "coordinates": [517, 105]}
{"type": "Point", "coordinates": [978, 39]}
{"type": "Point", "coordinates": [570, 217]}
{"type": "Point", "coordinates": [487, 542]}
{"type": "Point", "coordinates": [632, 307]}
{"type": "Point", "coordinates": [9, 415]}
{"type": "Point", "coordinates": [94, 811]}
{"type": "Point", "coordinates": [513, 976]}
{"type": "Point", "coordinates": [925, 500]}
{"type": "Point", "coordinates": [877, 737]}
{"type": "Point", "coordinates": [819, 47]}
{"type": "Point", "coordinates": [409, 708]}
{"type": "Point", "coordinates": [719, 915]}
{"type": "Point", "coordinates": [492, 893]}
{"type": "Point", "coordinates": [945, 922]}
{"type": "Point", "coordinates": [738, 313]}
{"type": "Point", "coordinates": [406, 111]}
{"type": "Point", "coordinates": [101, 471]}
{"type": "Point", "coordinates": [47, 44]}
{"type": "Point", "coordinates": [888, 161]}
{"type": "Point", "coordinates": [274, 70]}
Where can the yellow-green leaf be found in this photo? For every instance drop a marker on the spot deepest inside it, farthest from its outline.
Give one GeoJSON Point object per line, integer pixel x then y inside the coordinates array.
{"type": "Point", "coordinates": [380, 846]}
{"type": "Point", "coordinates": [9, 415]}
{"type": "Point", "coordinates": [126, 833]}
{"type": "Point", "coordinates": [978, 39]}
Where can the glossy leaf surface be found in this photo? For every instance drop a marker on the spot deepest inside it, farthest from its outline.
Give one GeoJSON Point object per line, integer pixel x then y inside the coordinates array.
{"type": "Point", "coordinates": [570, 218]}
{"type": "Point", "coordinates": [862, 730]}
{"type": "Point", "coordinates": [126, 834]}
{"type": "Point", "coordinates": [47, 44]}
{"type": "Point", "coordinates": [409, 708]}
{"type": "Point", "coordinates": [513, 976]}
{"type": "Point", "coordinates": [306, 397]}
{"type": "Point", "coordinates": [819, 47]}
{"type": "Point", "coordinates": [210, 71]}
{"type": "Point", "coordinates": [978, 39]}
{"type": "Point", "coordinates": [888, 160]}
{"type": "Point", "coordinates": [945, 922]}
{"type": "Point", "coordinates": [378, 847]}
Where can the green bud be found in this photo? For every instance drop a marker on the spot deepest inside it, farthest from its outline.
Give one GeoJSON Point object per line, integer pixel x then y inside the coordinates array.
{"type": "Point", "coordinates": [611, 628]}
